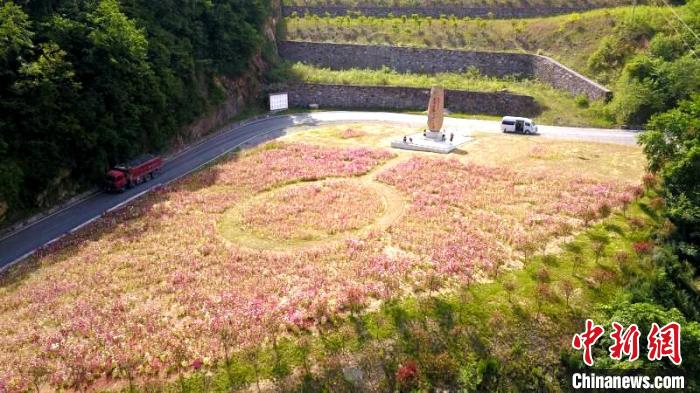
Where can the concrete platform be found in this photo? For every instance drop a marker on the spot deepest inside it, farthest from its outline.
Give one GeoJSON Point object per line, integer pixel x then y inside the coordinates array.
{"type": "Point", "coordinates": [432, 142]}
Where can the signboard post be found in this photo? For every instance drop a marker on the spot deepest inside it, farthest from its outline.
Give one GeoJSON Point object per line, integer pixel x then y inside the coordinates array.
{"type": "Point", "coordinates": [279, 102]}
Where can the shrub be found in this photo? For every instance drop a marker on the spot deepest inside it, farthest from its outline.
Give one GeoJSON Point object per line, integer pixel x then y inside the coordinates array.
{"type": "Point", "coordinates": [649, 180]}
{"type": "Point", "coordinates": [643, 247]}
{"type": "Point", "coordinates": [582, 101]}
{"type": "Point", "coordinates": [407, 375]}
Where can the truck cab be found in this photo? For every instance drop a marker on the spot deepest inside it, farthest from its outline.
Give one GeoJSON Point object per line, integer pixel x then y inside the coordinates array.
{"type": "Point", "coordinates": [116, 181]}
{"type": "Point", "coordinates": [520, 125]}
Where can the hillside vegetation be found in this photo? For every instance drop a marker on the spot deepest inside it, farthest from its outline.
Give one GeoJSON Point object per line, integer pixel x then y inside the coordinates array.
{"type": "Point", "coordinates": [466, 3]}
{"type": "Point", "coordinates": [571, 39]}
{"type": "Point", "coordinates": [169, 286]}
{"type": "Point", "coordinates": [87, 84]}
{"type": "Point", "coordinates": [558, 107]}
{"type": "Point", "coordinates": [647, 55]}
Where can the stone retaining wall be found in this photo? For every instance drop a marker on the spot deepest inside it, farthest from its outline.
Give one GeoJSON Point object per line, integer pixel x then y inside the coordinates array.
{"type": "Point", "coordinates": [436, 11]}
{"type": "Point", "coordinates": [408, 98]}
{"type": "Point", "coordinates": [426, 60]}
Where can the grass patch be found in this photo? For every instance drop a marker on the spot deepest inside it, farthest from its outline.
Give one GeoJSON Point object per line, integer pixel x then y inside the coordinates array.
{"type": "Point", "coordinates": [558, 108]}
{"type": "Point", "coordinates": [485, 336]}
{"type": "Point", "coordinates": [601, 161]}
{"type": "Point", "coordinates": [467, 3]}
{"type": "Point", "coordinates": [570, 39]}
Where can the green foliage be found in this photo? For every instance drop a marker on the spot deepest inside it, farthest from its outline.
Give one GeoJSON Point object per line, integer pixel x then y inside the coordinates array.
{"type": "Point", "coordinates": [670, 136]}
{"type": "Point", "coordinates": [644, 314]}
{"type": "Point", "coordinates": [84, 85]}
{"type": "Point", "coordinates": [611, 36]}
{"type": "Point", "coordinates": [15, 34]}
{"type": "Point", "coordinates": [468, 3]}
{"type": "Point", "coordinates": [672, 144]}
{"type": "Point", "coordinates": [558, 108]}
{"type": "Point", "coordinates": [582, 101]}
{"type": "Point", "coordinates": [656, 81]}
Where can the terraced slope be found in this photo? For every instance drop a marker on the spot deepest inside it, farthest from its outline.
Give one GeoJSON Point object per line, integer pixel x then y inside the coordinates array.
{"type": "Point", "coordinates": [572, 39]}
{"type": "Point", "coordinates": [466, 3]}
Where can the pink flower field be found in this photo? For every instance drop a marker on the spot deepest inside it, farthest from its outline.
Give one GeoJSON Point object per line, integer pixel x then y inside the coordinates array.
{"type": "Point", "coordinates": [151, 290]}
{"type": "Point", "coordinates": [470, 218]}
{"type": "Point", "coordinates": [302, 212]}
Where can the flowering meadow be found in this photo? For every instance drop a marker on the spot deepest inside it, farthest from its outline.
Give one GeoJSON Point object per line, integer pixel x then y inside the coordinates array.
{"type": "Point", "coordinates": [472, 219]}
{"type": "Point", "coordinates": [312, 211]}
{"type": "Point", "coordinates": [154, 290]}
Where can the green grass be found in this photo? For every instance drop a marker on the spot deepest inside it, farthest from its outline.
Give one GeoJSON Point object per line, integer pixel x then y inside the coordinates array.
{"type": "Point", "coordinates": [559, 108]}
{"type": "Point", "coordinates": [458, 337]}
{"type": "Point", "coordinates": [570, 39]}
{"type": "Point", "coordinates": [468, 3]}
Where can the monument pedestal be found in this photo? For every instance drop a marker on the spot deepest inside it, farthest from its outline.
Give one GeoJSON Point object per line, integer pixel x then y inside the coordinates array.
{"type": "Point", "coordinates": [435, 135]}
{"type": "Point", "coordinates": [432, 142]}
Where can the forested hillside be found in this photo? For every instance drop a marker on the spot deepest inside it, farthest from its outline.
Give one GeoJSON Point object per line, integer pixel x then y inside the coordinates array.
{"type": "Point", "coordinates": [85, 84]}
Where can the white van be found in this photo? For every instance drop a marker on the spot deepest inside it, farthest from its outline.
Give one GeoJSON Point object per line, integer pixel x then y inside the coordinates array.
{"type": "Point", "coordinates": [521, 125]}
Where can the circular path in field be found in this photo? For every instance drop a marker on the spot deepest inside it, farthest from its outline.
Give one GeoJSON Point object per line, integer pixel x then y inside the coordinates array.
{"type": "Point", "coordinates": [312, 213]}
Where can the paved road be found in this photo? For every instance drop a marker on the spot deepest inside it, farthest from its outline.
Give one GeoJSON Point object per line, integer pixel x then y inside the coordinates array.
{"type": "Point", "coordinates": [22, 243]}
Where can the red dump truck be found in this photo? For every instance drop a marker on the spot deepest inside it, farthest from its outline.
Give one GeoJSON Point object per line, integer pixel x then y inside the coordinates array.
{"type": "Point", "coordinates": [133, 173]}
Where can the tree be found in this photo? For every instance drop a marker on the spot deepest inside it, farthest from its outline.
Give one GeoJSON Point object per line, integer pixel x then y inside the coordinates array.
{"type": "Point", "coordinates": [671, 135]}
{"type": "Point", "coordinates": [509, 286]}
{"type": "Point", "coordinates": [542, 275]}
{"type": "Point", "coordinates": [542, 293]}
{"type": "Point", "coordinates": [87, 84]}
{"type": "Point", "coordinates": [15, 33]}
{"type": "Point", "coordinates": [599, 242]}
{"type": "Point", "coordinates": [567, 288]}
{"type": "Point", "coordinates": [672, 144]}
{"type": "Point", "coordinates": [576, 250]}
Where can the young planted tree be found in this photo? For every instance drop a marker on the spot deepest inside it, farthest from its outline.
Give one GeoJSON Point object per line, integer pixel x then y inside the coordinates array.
{"type": "Point", "coordinates": [542, 293]}
{"type": "Point", "coordinates": [510, 286]}
{"type": "Point", "coordinates": [542, 275]}
{"type": "Point", "coordinates": [567, 288]}
{"type": "Point", "coordinates": [576, 251]}
{"type": "Point", "coordinates": [599, 242]}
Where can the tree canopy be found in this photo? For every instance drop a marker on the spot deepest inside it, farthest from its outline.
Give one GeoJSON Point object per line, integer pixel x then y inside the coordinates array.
{"type": "Point", "coordinates": [85, 84]}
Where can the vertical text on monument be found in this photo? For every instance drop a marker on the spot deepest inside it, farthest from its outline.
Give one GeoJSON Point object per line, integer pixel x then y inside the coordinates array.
{"type": "Point", "coordinates": [436, 109]}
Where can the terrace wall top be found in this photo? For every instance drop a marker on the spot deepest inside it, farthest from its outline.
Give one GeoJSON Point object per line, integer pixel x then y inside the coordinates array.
{"type": "Point", "coordinates": [431, 60]}
{"type": "Point", "coordinates": [437, 11]}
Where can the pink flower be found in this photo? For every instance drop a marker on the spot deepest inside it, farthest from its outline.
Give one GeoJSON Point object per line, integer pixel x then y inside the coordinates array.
{"type": "Point", "coordinates": [197, 364]}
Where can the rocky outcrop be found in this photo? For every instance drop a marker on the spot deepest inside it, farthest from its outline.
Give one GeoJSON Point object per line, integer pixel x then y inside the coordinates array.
{"type": "Point", "coordinates": [240, 92]}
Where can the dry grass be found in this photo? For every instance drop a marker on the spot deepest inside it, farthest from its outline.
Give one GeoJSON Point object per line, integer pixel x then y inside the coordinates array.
{"type": "Point", "coordinates": [597, 160]}
{"type": "Point", "coordinates": [155, 291]}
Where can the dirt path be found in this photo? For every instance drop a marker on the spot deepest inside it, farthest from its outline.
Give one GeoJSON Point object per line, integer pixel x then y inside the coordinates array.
{"type": "Point", "coordinates": [394, 207]}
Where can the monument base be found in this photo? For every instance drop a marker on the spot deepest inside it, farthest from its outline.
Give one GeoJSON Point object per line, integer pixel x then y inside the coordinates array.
{"type": "Point", "coordinates": [435, 135]}
{"type": "Point", "coordinates": [432, 142]}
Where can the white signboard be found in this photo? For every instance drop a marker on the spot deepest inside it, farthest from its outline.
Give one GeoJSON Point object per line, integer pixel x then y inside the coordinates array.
{"type": "Point", "coordinates": [279, 102]}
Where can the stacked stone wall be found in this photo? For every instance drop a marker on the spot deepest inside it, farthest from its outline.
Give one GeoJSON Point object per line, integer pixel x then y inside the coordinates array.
{"type": "Point", "coordinates": [407, 98]}
{"type": "Point", "coordinates": [427, 60]}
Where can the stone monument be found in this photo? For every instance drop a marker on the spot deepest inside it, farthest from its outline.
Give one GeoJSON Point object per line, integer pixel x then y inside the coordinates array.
{"type": "Point", "coordinates": [435, 139]}
{"type": "Point", "coordinates": [436, 109]}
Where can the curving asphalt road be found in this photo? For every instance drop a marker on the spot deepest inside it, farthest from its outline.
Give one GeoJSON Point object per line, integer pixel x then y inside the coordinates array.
{"type": "Point", "coordinates": [22, 243]}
